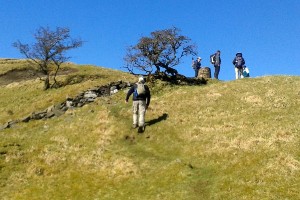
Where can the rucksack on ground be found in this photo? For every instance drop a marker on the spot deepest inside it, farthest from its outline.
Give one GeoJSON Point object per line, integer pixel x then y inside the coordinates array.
{"type": "Point", "coordinates": [246, 72]}
{"type": "Point", "coordinates": [212, 59]}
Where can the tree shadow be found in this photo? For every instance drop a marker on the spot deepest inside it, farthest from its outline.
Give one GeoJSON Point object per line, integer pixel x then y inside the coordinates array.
{"type": "Point", "coordinates": [159, 119]}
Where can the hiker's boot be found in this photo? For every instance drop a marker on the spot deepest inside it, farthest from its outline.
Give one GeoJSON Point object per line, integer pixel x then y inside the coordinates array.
{"type": "Point", "coordinates": [141, 129]}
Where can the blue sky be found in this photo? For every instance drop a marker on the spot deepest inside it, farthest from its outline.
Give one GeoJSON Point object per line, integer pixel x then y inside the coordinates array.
{"type": "Point", "coordinates": [266, 32]}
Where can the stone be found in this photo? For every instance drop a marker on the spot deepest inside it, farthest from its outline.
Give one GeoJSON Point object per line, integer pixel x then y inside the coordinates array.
{"type": "Point", "coordinates": [204, 72]}
{"type": "Point", "coordinates": [50, 114]}
{"type": "Point", "coordinates": [69, 104]}
{"type": "Point", "coordinates": [26, 119]}
{"type": "Point", "coordinates": [90, 94]}
{"type": "Point", "coordinates": [49, 109]}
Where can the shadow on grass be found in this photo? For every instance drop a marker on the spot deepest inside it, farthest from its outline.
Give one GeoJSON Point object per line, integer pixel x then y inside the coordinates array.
{"type": "Point", "coordinates": [157, 120]}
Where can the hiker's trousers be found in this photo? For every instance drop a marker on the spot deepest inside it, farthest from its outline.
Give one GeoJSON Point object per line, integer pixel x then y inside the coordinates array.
{"type": "Point", "coordinates": [139, 110]}
{"type": "Point", "coordinates": [238, 73]}
{"type": "Point", "coordinates": [217, 71]}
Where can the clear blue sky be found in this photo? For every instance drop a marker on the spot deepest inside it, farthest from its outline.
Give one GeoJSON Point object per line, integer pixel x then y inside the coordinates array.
{"type": "Point", "coordinates": [267, 32]}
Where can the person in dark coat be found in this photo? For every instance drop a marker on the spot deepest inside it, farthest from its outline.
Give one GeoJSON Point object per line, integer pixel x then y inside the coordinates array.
{"type": "Point", "coordinates": [217, 63]}
{"type": "Point", "coordinates": [239, 63]}
{"type": "Point", "coordinates": [196, 64]}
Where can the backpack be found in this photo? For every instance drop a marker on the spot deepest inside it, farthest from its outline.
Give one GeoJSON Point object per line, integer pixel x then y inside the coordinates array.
{"type": "Point", "coordinates": [239, 62]}
{"type": "Point", "coordinates": [140, 89]}
{"type": "Point", "coordinates": [246, 72]}
{"type": "Point", "coordinates": [213, 58]}
{"type": "Point", "coordinates": [196, 64]}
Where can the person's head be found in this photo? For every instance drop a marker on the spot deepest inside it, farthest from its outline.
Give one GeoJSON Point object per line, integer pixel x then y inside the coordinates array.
{"type": "Point", "coordinates": [238, 54]}
{"type": "Point", "coordinates": [218, 51]}
{"type": "Point", "coordinates": [141, 79]}
{"type": "Point", "coordinates": [199, 58]}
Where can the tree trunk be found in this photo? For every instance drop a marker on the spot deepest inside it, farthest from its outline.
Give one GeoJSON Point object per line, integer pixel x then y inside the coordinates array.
{"type": "Point", "coordinates": [157, 69]}
{"type": "Point", "coordinates": [47, 83]}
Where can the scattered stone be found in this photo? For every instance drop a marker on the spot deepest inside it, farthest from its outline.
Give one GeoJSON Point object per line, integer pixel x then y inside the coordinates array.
{"type": "Point", "coordinates": [80, 100]}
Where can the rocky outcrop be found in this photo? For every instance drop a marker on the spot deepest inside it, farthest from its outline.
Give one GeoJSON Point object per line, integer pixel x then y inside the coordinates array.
{"type": "Point", "coordinates": [79, 101]}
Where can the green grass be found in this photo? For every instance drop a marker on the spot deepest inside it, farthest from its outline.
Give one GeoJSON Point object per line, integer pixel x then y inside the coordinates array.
{"type": "Point", "coordinates": [224, 140]}
{"type": "Point", "coordinates": [21, 98]}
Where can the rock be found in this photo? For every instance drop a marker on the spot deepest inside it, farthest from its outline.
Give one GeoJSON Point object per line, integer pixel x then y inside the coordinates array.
{"type": "Point", "coordinates": [12, 123]}
{"type": "Point", "coordinates": [204, 72]}
{"type": "Point", "coordinates": [58, 112]}
{"type": "Point", "coordinates": [26, 119]}
{"type": "Point", "coordinates": [6, 125]}
{"type": "Point", "coordinates": [49, 109]}
{"type": "Point", "coordinates": [50, 114]}
{"type": "Point", "coordinates": [69, 104]}
{"type": "Point", "coordinates": [39, 115]}
{"type": "Point", "coordinates": [114, 91]}
{"type": "Point", "coordinates": [90, 94]}
{"type": "Point", "coordinates": [113, 88]}
{"type": "Point", "coordinates": [90, 100]}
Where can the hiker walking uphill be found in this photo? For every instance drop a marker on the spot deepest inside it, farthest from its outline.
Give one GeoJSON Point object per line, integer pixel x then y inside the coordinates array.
{"type": "Point", "coordinates": [141, 100]}
{"type": "Point", "coordinates": [196, 64]}
{"type": "Point", "coordinates": [215, 59]}
{"type": "Point", "coordinates": [238, 63]}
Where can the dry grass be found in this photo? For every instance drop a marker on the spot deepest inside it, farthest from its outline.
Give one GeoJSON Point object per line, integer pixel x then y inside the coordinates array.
{"type": "Point", "coordinates": [28, 96]}
{"type": "Point", "coordinates": [225, 140]}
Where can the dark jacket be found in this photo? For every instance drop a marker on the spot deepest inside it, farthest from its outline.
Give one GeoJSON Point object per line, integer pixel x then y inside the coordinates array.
{"type": "Point", "coordinates": [217, 59]}
{"type": "Point", "coordinates": [196, 64]}
{"type": "Point", "coordinates": [239, 56]}
{"type": "Point", "coordinates": [144, 97]}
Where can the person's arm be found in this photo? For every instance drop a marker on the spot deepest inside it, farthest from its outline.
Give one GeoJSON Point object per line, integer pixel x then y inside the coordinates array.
{"type": "Point", "coordinates": [148, 96]}
{"type": "Point", "coordinates": [130, 91]}
{"type": "Point", "coordinates": [234, 61]}
{"type": "Point", "coordinates": [193, 64]}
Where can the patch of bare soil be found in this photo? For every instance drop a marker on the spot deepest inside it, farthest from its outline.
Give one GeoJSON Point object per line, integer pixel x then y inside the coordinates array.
{"type": "Point", "coordinates": [19, 75]}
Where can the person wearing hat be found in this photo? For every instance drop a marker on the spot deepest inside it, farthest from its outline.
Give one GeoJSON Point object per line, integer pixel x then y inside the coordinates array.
{"type": "Point", "coordinates": [140, 102]}
{"type": "Point", "coordinates": [196, 65]}
{"type": "Point", "coordinates": [239, 63]}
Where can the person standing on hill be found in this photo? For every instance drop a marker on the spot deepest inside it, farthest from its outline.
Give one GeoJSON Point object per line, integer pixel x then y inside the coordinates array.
{"type": "Point", "coordinates": [196, 64]}
{"type": "Point", "coordinates": [141, 101]}
{"type": "Point", "coordinates": [215, 59]}
{"type": "Point", "coordinates": [238, 63]}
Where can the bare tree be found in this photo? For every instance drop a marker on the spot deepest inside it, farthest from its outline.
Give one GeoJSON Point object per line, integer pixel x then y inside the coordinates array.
{"type": "Point", "coordinates": [163, 49]}
{"type": "Point", "coordinates": [49, 50]}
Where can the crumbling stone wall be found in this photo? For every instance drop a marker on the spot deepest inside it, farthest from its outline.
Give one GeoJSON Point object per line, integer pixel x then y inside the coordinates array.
{"type": "Point", "coordinates": [80, 100]}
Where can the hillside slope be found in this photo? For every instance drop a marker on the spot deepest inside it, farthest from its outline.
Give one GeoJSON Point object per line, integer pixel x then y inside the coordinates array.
{"type": "Point", "coordinates": [224, 140]}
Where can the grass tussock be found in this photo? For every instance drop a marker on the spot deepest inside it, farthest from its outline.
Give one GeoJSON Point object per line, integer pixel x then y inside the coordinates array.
{"type": "Point", "coordinates": [224, 140]}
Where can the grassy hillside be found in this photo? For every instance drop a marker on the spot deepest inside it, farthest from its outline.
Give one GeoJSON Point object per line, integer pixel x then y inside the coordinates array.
{"type": "Point", "coordinates": [224, 140]}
